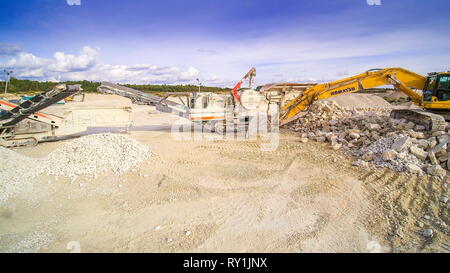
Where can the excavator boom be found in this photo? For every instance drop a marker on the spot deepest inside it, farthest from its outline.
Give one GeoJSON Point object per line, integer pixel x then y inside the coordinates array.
{"type": "Point", "coordinates": [402, 79]}
{"type": "Point", "coordinates": [251, 76]}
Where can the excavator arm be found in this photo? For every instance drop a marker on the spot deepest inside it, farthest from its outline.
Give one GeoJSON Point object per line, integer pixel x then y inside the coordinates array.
{"type": "Point", "coordinates": [251, 76]}
{"type": "Point", "coordinates": [402, 79]}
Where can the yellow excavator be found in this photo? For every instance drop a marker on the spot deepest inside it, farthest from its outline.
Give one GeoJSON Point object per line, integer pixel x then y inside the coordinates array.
{"type": "Point", "coordinates": [434, 98]}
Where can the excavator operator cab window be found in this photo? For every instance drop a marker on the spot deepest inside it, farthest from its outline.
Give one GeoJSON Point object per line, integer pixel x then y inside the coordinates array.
{"type": "Point", "coordinates": [443, 88]}
{"type": "Point", "coordinates": [429, 90]}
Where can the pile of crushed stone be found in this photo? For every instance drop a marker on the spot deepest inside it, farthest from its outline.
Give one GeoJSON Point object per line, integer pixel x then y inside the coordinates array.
{"type": "Point", "coordinates": [360, 101]}
{"type": "Point", "coordinates": [96, 154]}
{"type": "Point", "coordinates": [91, 156]}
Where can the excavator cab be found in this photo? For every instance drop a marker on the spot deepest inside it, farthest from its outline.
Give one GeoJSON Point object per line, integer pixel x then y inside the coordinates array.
{"type": "Point", "coordinates": [437, 88]}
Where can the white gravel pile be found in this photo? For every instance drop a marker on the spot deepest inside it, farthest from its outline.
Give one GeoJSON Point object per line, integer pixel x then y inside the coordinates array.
{"type": "Point", "coordinates": [360, 101]}
{"type": "Point", "coordinates": [96, 154]}
{"type": "Point", "coordinates": [16, 173]}
{"type": "Point", "coordinates": [90, 156]}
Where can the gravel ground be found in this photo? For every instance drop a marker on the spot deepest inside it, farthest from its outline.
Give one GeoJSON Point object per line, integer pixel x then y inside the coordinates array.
{"type": "Point", "coordinates": [16, 173]}
{"type": "Point", "coordinates": [230, 196]}
{"type": "Point", "coordinates": [91, 156]}
{"type": "Point", "coordinates": [32, 243]}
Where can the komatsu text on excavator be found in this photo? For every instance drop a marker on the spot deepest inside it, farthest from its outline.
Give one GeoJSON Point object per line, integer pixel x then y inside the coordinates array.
{"type": "Point", "coordinates": [434, 98]}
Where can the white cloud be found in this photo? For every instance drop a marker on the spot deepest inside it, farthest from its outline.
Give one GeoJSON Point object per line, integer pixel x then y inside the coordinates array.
{"type": "Point", "coordinates": [302, 55]}
{"type": "Point", "coordinates": [33, 73]}
{"type": "Point", "coordinates": [301, 48]}
{"type": "Point", "coordinates": [287, 56]}
{"type": "Point", "coordinates": [67, 62]}
{"type": "Point", "coordinates": [189, 74]}
{"type": "Point", "coordinates": [86, 66]}
{"type": "Point", "coordinates": [26, 61]}
{"type": "Point", "coordinates": [9, 49]}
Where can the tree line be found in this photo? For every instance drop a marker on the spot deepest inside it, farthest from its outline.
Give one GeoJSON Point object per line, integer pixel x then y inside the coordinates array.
{"type": "Point", "coordinates": [153, 88]}
{"type": "Point", "coordinates": [16, 86]}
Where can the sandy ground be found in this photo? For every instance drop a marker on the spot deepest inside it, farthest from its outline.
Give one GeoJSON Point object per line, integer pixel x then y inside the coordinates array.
{"type": "Point", "coordinates": [227, 196]}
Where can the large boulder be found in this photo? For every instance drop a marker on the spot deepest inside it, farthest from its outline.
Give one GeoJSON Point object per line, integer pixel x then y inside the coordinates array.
{"type": "Point", "coordinates": [333, 122]}
{"type": "Point", "coordinates": [443, 139]}
{"type": "Point", "coordinates": [419, 128]}
{"type": "Point", "coordinates": [418, 152]}
{"type": "Point", "coordinates": [436, 170]}
{"type": "Point", "coordinates": [418, 135]}
{"type": "Point", "coordinates": [336, 146]}
{"type": "Point", "coordinates": [432, 142]}
{"type": "Point", "coordinates": [433, 158]}
{"type": "Point", "coordinates": [361, 163]}
{"type": "Point", "coordinates": [373, 126]}
{"type": "Point", "coordinates": [440, 149]}
{"type": "Point", "coordinates": [354, 135]}
{"type": "Point", "coordinates": [320, 139]}
{"type": "Point", "coordinates": [401, 144]}
{"type": "Point", "coordinates": [438, 133]}
{"type": "Point", "coordinates": [414, 169]}
{"type": "Point", "coordinates": [410, 125]}
{"type": "Point", "coordinates": [422, 143]}
{"type": "Point", "coordinates": [368, 156]}
{"type": "Point", "coordinates": [389, 155]}
{"type": "Point", "coordinates": [443, 159]}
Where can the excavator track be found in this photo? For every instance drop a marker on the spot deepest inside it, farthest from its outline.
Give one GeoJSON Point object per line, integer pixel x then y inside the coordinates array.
{"type": "Point", "coordinates": [19, 142]}
{"type": "Point", "coordinates": [432, 122]}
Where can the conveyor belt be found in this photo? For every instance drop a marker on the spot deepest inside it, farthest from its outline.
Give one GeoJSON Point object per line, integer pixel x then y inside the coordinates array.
{"type": "Point", "coordinates": [139, 97]}
{"type": "Point", "coordinates": [37, 103]}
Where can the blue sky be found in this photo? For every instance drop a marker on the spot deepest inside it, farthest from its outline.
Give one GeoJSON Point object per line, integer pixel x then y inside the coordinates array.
{"type": "Point", "coordinates": [176, 41]}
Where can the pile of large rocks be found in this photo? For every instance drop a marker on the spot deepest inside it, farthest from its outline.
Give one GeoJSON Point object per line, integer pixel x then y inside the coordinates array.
{"type": "Point", "coordinates": [376, 139]}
